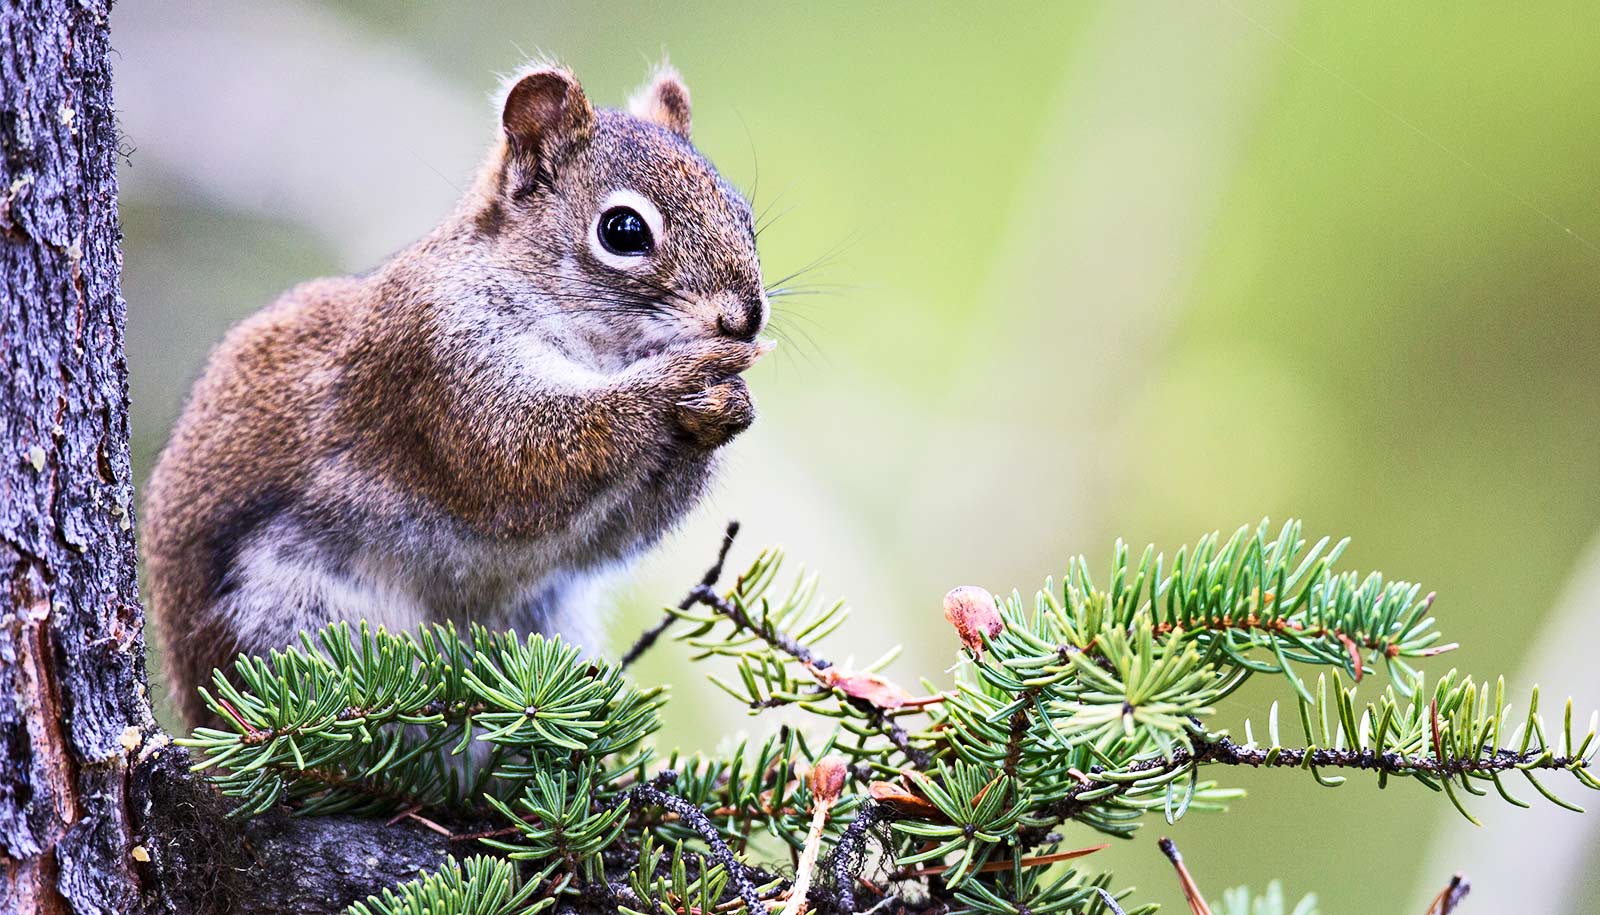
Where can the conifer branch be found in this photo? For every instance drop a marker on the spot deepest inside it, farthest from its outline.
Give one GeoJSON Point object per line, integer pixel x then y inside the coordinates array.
{"type": "Point", "coordinates": [847, 852]}
{"type": "Point", "coordinates": [743, 623]}
{"type": "Point", "coordinates": [707, 582]}
{"type": "Point", "coordinates": [1450, 897]}
{"type": "Point", "coordinates": [1226, 752]}
{"type": "Point", "coordinates": [691, 814]}
{"type": "Point", "coordinates": [1094, 704]}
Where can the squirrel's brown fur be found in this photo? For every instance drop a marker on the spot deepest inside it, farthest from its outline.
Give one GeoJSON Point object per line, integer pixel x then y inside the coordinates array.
{"type": "Point", "coordinates": [484, 426]}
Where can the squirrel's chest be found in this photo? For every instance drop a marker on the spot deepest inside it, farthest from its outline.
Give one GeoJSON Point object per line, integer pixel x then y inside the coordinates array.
{"type": "Point", "coordinates": [287, 580]}
{"type": "Point", "coordinates": [448, 573]}
{"type": "Point", "coordinates": [402, 563]}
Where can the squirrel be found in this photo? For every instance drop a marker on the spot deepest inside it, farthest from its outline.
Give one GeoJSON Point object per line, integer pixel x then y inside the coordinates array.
{"type": "Point", "coordinates": [490, 424]}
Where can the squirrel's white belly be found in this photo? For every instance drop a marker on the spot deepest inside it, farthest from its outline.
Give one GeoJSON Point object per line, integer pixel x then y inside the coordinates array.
{"type": "Point", "coordinates": [284, 582]}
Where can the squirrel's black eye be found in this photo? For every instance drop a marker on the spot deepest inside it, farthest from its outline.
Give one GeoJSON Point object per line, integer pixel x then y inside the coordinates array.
{"type": "Point", "coordinates": [623, 231]}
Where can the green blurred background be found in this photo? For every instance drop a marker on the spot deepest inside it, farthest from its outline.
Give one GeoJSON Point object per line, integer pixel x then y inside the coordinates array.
{"type": "Point", "coordinates": [1089, 270]}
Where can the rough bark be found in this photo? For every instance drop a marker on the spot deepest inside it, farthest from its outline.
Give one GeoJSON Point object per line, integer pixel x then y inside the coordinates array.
{"type": "Point", "coordinates": [98, 813]}
{"type": "Point", "coordinates": [71, 647]}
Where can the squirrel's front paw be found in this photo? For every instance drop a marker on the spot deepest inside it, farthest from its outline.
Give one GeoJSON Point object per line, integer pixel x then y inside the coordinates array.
{"type": "Point", "coordinates": [706, 399]}
{"type": "Point", "coordinates": [715, 415]}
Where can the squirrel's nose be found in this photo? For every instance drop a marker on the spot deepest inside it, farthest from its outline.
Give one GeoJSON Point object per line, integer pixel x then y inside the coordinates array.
{"type": "Point", "coordinates": [742, 319]}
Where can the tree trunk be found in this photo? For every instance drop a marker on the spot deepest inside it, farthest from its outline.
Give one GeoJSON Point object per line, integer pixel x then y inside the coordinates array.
{"type": "Point", "coordinates": [98, 814]}
{"type": "Point", "coordinates": [71, 697]}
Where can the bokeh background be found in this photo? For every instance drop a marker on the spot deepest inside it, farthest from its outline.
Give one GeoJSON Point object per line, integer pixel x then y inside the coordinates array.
{"type": "Point", "coordinates": [1080, 271]}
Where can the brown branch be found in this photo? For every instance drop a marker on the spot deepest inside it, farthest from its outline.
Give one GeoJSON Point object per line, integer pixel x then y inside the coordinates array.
{"type": "Point", "coordinates": [1019, 729]}
{"type": "Point", "coordinates": [1222, 751]}
{"type": "Point", "coordinates": [1450, 897]}
{"type": "Point", "coordinates": [1191, 890]}
{"type": "Point", "coordinates": [648, 638]}
{"type": "Point", "coordinates": [252, 736]}
{"type": "Point", "coordinates": [1282, 624]}
{"type": "Point", "coordinates": [1229, 753]}
{"type": "Point", "coordinates": [895, 734]}
{"type": "Point", "coordinates": [705, 594]}
{"type": "Point", "coordinates": [843, 861]}
{"type": "Point", "coordinates": [695, 818]}
{"type": "Point", "coordinates": [334, 778]}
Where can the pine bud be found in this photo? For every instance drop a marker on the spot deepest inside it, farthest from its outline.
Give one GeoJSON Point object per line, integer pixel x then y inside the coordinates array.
{"type": "Point", "coordinates": [973, 612]}
{"type": "Point", "coordinates": [826, 780]}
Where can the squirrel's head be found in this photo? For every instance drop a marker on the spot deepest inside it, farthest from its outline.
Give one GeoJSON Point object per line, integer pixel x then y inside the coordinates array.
{"type": "Point", "coordinates": [616, 233]}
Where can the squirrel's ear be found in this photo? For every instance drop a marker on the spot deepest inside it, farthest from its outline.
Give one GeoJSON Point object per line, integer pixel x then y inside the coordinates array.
{"type": "Point", "coordinates": [664, 101]}
{"type": "Point", "coordinates": [544, 109]}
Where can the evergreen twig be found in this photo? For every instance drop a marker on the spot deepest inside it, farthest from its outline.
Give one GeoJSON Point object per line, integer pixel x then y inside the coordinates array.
{"type": "Point", "coordinates": [850, 848]}
{"type": "Point", "coordinates": [742, 622]}
{"type": "Point", "coordinates": [1093, 705]}
{"type": "Point", "coordinates": [1451, 896]}
{"type": "Point", "coordinates": [708, 581]}
{"type": "Point", "coordinates": [696, 818]}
